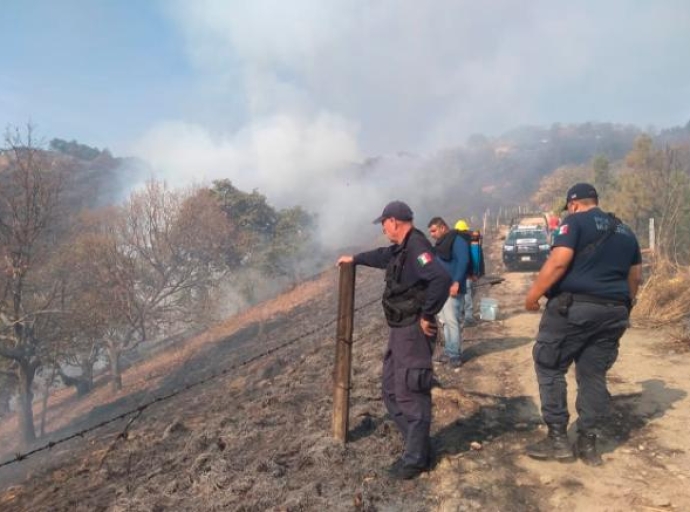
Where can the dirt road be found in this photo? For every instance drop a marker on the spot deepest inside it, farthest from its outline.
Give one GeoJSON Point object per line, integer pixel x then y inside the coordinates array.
{"type": "Point", "coordinates": [646, 448]}
{"type": "Point", "coordinates": [259, 438]}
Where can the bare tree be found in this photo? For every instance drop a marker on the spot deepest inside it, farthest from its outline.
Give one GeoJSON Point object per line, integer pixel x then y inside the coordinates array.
{"type": "Point", "coordinates": [87, 266]}
{"type": "Point", "coordinates": [29, 199]}
{"type": "Point", "coordinates": [8, 385]}
{"type": "Point", "coordinates": [146, 266]}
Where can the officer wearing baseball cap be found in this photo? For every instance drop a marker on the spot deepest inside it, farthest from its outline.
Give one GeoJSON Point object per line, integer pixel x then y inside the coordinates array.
{"type": "Point", "coordinates": [395, 210]}
{"type": "Point", "coordinates": [580, 191]}
{"type": "Point", "coordinates": [591, 279]}
{"type": "Point", "coordinates": [417, 286]}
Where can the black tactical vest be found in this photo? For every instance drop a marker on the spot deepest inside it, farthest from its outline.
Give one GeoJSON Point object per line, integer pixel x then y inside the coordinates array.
{"type": "Point", "coordinates": [402, 303]}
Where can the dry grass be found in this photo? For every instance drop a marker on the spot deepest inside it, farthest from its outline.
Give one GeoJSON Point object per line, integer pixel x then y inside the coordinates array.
{"type": "Point", "coordinates": [681, 335]}
{"type": "Point", "coordinates": [664, 299]}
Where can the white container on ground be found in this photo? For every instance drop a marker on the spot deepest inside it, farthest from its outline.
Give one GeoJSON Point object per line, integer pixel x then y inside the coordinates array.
{"type": "Point", "coordinates": [488, 309]}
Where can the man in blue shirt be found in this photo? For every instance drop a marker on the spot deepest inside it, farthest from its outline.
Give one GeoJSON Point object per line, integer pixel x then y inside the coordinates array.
{"type": "Point", "coordinates": [454, 254]}
{"type": "Point", "coordinates": [590, 279]}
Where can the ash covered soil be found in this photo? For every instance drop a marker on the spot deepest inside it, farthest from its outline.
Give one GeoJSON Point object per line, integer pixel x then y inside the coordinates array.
{"type": "Point", "coordinates": [259, 436]}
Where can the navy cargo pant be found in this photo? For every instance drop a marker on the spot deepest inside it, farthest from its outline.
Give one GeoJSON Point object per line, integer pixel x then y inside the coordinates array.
{"type": "Point", "coordinates": [589, 335]}
{"type": "Point", "coordinates": [407, 376]}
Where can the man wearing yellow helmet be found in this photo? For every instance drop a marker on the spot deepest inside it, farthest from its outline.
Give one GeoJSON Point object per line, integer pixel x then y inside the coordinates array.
{"type": "Point", "coordinates": [464, 229]}
{"type": "Point", "coordinates": [462, 225]}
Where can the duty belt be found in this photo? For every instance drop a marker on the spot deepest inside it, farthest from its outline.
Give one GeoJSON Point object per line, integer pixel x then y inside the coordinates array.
{"type": "Point", "coordinates": [580, 297]}
{"type": "Point", "coordinates": [565, 299]}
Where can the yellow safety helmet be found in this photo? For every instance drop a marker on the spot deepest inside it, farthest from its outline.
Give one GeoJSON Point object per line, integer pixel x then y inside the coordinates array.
{"type": "Point", "coordinates": [461, 225]}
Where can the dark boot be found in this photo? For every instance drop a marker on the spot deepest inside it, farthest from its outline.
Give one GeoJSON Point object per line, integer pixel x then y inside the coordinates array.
{"type": "Point", "coordinates": [432, 458]}
{"type": "Point", "coordinates": [395, 467]}
{"type": "Point", "coordinates": [403, 472]}
{"type": "Point", "coordinates": [586, 449]}
{"type": "Point", "coordinates": [554, 446]}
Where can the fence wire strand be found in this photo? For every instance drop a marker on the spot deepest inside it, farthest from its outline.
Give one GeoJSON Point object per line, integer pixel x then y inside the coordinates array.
{"type": "Point", "coordinates": [137, 411]}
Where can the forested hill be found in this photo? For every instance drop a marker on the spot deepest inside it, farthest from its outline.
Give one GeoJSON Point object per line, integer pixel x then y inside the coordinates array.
{"type": "Point", "coordinates": [486, 171]}
{"type": "Point", "coordinates": [506, 170]}
{"type": "Point", "coordinates": [519, 158]}
{"type": "Point", "coordinates": [95, 177]}
{"type": "Point", "coordinates": [91, 177]}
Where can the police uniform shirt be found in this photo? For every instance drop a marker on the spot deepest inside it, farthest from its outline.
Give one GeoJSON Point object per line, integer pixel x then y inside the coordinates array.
{"type": "Point", "coordinates": [604, 272]}
{"type": "Point", "coordinates": [419, 265]}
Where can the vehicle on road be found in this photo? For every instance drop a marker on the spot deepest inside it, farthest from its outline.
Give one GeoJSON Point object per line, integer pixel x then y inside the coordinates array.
{"type": "Point", "coordinates": [526, 246]}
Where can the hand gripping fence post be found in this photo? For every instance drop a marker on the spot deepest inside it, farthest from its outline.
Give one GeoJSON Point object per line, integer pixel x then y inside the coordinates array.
{"type": "Point", "coordinates": [343, 352]}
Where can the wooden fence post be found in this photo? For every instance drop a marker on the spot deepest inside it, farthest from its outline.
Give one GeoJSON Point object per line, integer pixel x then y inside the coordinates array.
{"type": "Point", "coordinates": [343, 352]}
{"type": "Point", "coordinates": [652, 236]}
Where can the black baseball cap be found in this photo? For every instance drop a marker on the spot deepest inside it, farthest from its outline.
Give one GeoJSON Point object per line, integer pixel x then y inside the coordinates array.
{"type": "Point", "coordinates": [397, 210]}
{"type": "Point", "coordinates": [580, 191]}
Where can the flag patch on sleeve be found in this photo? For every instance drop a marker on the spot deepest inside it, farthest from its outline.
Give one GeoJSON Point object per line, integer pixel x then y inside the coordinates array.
{"type": "Point", "coordinates": [424, 258]}
{"type": "Point", "coordinates": [563, 230]}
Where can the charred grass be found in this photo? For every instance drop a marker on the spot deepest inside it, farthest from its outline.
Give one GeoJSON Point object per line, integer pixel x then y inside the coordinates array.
{"type": "Point", "coordinates": [259, 437]}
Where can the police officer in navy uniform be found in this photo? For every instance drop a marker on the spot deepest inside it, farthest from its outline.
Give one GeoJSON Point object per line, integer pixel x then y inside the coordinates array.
{"type": "Point", "coordinates": [417, 286]}
{"type": "Point", "coordinates": [590, 279]}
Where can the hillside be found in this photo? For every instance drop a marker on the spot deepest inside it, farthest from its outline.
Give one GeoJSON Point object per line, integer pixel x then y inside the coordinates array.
{"type": "Point", "coordinates": [98, 180]}
{"type": "Point", "coordinates": [484, 172]}
{"type": "Point", "coordinates": [515, 161]}
{"type": "Point", "coordinates": [258, 438]}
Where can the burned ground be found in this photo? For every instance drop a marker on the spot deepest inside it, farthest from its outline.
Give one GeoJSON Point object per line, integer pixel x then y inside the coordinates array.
{"type": "Point", "coordinates": [259, 436]}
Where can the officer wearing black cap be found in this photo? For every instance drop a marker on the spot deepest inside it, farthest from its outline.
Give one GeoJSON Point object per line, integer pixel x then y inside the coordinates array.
{"type": "Point", "coordinates": [590, 279]}
{"type": "Point", "coordinates": [417, 286]}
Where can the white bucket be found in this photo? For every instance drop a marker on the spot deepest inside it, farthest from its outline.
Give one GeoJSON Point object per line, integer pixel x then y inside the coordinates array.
{"type": "Point", "coordinates": [488, 309]}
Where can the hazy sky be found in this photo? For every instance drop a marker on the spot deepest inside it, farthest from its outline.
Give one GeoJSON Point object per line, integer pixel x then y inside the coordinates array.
{"type": "Point", "coordinates": [273, 92]}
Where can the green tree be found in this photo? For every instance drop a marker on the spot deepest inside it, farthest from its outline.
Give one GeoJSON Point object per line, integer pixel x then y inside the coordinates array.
{"type": "Point", "coordinates": [75, 149]}
{"type": "Point", "coordinates": [602, 174]}
{"type": "Point", "coordinates": [655, 184]}
{"type": "Point", "coordinates": [252, 222]}
{"type": "Point", "coordinates": [248, 211]}
{"type": "Point", "coordinates": [291, 249]}
{"type": "Point", "coordinates": [550, 195]}
{"type": "Point", "coordinates": [640, 187]}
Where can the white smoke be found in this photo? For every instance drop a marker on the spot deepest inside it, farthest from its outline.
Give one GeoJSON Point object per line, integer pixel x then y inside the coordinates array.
{"type": "Point", "coordinates": [281, 155]}
{"type": "Point", "coordinates": [305, 89]}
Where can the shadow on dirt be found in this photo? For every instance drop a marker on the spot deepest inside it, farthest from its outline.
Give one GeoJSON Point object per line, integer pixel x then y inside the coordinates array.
{"type": "Point", "coordinates": [367, 425]}
{"type": "Point", "coordinates": [481, 347]}
{"type": "Point", "coordinates": [632, 412]}
{"type": "Point", "coordinates": [498, 416]}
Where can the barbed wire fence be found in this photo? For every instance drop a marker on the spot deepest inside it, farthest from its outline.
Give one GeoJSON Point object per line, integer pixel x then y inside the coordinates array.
{"type": "Point", "coordinates": [137, 411]}
{"type": "Point", "coordinates": [491, 221]}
